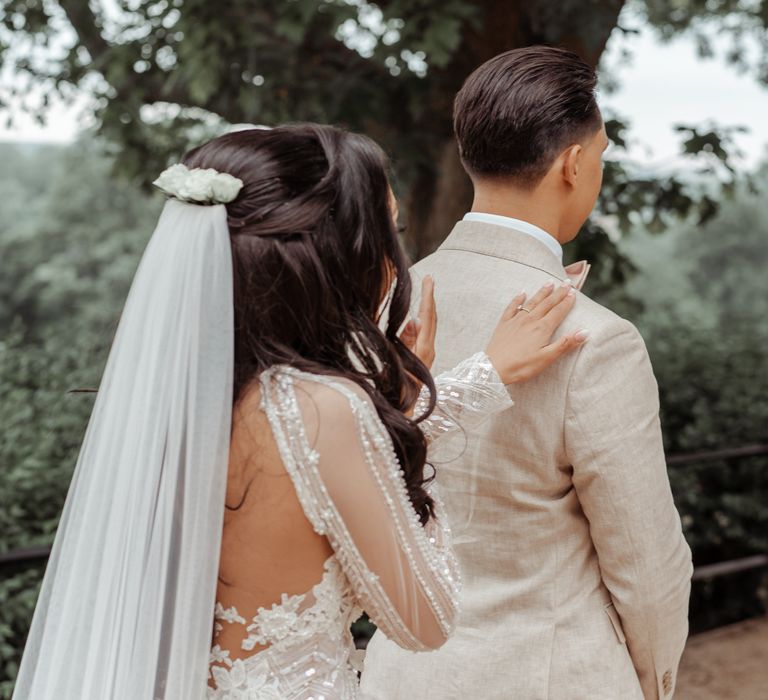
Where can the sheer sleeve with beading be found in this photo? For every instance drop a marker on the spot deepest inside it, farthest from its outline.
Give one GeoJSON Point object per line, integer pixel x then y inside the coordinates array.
{"type": "Point", "coordinates": [466, 395]}
{"type": "Point", "coordinates": [351, 487]}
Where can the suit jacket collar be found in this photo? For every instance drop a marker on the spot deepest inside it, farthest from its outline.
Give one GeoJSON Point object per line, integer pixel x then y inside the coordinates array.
{"type": "Point", "coordinates": [503, 242]}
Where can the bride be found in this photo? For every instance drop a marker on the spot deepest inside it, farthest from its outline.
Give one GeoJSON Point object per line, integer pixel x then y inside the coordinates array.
{"type": "Point", "coordinates": [254, 471]}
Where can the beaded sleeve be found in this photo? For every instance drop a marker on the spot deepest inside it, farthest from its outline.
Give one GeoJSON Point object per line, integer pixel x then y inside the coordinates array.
{"type": "Point", "coordinates": [351, 488]}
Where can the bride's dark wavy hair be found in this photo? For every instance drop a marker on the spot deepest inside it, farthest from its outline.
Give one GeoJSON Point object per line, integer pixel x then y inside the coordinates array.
{"type": "Point", "coordinates": [314, 248]}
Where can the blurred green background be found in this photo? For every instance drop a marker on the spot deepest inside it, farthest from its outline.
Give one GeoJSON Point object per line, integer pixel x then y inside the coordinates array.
{"type": "Point", "coordinates": [678, 249]}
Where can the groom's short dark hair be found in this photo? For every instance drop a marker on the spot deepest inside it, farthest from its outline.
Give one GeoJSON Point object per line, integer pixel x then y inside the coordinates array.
{"type": "Point", "coordinates": [519, 110]}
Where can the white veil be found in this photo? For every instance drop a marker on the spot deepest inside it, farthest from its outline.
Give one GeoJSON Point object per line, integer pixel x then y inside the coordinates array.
{"type": "Point", "coordinates": [126, 606]}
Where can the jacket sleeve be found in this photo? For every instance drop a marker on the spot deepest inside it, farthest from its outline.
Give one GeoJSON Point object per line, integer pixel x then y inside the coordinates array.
{"type": "Point", "coordinates": [613, 441]}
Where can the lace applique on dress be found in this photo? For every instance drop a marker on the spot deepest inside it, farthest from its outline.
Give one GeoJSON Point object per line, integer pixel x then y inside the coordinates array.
{"type": "Point", "coordinates": [240, 679]}
{"type": "Point", "coordinates": [292, 629]}
{"type": "Point", "coordinates": [294, 617]}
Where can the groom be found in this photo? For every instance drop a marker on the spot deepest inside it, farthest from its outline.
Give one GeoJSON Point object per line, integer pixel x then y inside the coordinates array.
{"type": "Point", "coordinates": [576, 574]}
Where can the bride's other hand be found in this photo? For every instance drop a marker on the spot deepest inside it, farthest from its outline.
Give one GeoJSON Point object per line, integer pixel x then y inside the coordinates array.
{"type": "Point", "coordinates": [419, 333]}
{"type": "Point", "coordinates": [521, 346]}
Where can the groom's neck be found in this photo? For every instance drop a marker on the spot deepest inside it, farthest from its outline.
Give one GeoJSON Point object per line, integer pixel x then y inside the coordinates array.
{"type": "Point", "coordinates": [533, 206]}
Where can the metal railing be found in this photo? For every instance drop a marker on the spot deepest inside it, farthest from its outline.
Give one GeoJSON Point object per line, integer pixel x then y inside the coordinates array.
{"type": "Point", "coordinates": [712, 455]}
{"type": "Point", "coordinates": [17, 556]}
{"type": "Point", "coordinates": [731, 566]}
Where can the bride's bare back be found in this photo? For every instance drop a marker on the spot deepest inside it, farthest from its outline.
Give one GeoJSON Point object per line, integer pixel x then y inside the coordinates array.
{"type": "Point", "coordinates": [268, 546]}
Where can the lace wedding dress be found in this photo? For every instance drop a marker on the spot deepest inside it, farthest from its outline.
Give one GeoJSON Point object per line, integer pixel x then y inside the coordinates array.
{"type": "Point", "coordinates": [401, 573]}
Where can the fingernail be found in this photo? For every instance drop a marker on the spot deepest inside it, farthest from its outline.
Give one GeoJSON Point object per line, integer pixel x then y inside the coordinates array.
{"type": "Point", "coordinates": [550, 284]}
{"type": "Point", "coordinates": [581, 335]}
{"type": "Point", "coordinates": [567, 282]}
{"type": "Point", "coordinates": [571, 292]}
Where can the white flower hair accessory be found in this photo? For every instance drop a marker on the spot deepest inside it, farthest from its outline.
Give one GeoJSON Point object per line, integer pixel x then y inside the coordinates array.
{"type": "Point", "coordinates": [198, 185]}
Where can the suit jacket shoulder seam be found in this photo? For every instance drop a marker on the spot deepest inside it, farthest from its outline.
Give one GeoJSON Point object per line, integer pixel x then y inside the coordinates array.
{"type": "Point", "coordinates": [499, 257]}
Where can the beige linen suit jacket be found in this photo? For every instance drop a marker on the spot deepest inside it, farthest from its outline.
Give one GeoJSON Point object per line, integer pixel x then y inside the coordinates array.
{"type": "Point", "coordinates": [576, 573]}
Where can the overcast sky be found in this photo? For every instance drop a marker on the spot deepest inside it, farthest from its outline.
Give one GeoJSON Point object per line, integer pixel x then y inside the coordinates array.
{"type": "Point", "coordinates": [664, 84]}
{"type": "Point", "coordinates": [667, 84]}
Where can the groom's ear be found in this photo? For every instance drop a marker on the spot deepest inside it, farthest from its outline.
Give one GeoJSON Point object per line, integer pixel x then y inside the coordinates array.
{"type": "Point", "coordinates": [571, 160]}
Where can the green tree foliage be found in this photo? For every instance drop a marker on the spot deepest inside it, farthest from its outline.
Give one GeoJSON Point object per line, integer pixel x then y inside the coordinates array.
{"type": "Point", "coordinates": [53, 274]}
{"type": "Point", "coordinates": [163, 74]}
{"type": "Point", "coordinates": [18, 594]}
{"type": "Point", "coordinates": [70, 240]}
{"type": "Point", "coordinates": [705, 297]}
{"type": "Point", "coordinates": [42, 429]}
{"type": "Point", "coordinates": [69, 253]}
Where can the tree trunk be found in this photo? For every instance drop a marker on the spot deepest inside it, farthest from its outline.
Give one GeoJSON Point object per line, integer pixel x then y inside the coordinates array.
{"type": "Point", "coordinates": [441, 192]}
{"type": "Point", "coordinates": [438, 199]}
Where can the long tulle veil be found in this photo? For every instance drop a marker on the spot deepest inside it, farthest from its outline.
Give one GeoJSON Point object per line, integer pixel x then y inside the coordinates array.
{"type": "Point", "coordinates": [126, 607]}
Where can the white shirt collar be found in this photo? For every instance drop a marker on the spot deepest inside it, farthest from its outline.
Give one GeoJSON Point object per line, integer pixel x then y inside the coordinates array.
{"type": "Point", "coordinates": [519, 225]}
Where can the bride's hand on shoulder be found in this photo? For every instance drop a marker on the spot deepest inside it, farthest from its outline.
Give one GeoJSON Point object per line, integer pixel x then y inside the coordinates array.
{"type": "Point", "coordinates": [521, 346]}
